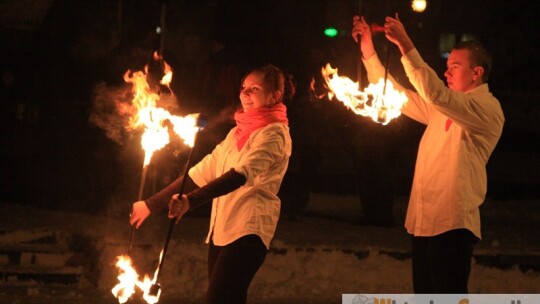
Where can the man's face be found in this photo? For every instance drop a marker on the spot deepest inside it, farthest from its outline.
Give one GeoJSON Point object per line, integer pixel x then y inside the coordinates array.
{"type": "Point", "coordinates": [460, 75]}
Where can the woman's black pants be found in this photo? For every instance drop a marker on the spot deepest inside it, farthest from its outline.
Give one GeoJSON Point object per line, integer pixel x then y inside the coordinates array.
{"type": "Point", "coordinates": [231, 269]}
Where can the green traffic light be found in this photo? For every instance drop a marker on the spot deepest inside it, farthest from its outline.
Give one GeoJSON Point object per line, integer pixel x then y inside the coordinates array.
{"type": "Point", "coordinates": [330, 32]}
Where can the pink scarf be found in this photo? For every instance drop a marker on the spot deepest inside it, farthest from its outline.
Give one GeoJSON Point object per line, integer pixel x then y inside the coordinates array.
{"type": "Point", "coordinates": [247, 122]}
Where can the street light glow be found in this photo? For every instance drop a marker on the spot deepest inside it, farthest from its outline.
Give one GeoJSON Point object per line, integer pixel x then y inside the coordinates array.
{"type": "Point", "coordinates": [419, 5]}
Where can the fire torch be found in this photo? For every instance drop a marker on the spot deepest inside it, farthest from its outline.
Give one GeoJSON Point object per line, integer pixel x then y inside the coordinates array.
{"type": "Point", "coordinates": [155, 289]}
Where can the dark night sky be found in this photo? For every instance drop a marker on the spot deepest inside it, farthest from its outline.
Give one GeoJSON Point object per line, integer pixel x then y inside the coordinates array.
{"type": "Point", "coordinates": [54, 52]}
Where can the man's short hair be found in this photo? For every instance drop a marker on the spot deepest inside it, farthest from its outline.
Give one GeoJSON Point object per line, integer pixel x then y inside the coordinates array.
{"type": "Point", "coordinates": [479, 55]}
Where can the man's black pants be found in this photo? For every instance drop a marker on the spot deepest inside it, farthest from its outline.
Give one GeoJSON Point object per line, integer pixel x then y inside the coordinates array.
{"type": "Point", "coordinates": [442, 263]}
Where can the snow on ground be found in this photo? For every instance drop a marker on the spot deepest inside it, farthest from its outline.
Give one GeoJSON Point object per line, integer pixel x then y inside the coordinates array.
{"type": "Point", "coordinates": [314, 260]}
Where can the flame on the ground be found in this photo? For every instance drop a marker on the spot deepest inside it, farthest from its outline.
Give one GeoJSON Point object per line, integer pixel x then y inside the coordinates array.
{"type": "Point", "coordinates": [129, 281]}
{"type": "Point", "coordinates": [152, 119]}
{"type": "Point", "coordinates": [379, 101]}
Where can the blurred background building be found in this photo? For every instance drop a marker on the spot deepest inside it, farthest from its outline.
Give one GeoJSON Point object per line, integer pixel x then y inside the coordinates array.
{"type": "Point", "coordinates": [56, 52]}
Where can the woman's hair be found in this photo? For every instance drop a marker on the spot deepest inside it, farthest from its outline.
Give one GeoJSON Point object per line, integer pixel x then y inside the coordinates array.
{"type": "Point", "coordinates": [275, 80]}
{"type": "Point", "coordinates": [479, 55]}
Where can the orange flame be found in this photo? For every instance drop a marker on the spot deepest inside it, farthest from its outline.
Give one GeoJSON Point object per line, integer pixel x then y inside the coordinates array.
{"type": "Point", "coordinates": [167, 70]}
{"type": "Point", "coordinates": [129, 281]}
{"type": "Point", "coordinates": [152, 118]}
{"type": "Point", "coordinates": [380, 101]}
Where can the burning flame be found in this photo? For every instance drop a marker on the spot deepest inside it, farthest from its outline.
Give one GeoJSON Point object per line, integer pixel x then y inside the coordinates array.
{"type": "Point", "coordinates": [380, 101]}
{"type": "Point", "coordinates": [155, 122]}
{"type": "Point", "coordinates": [129, 280]}
{"type": "Point", "coordinates": [167, 70]}
{"type": "Point", "coordinates": [152, 118]}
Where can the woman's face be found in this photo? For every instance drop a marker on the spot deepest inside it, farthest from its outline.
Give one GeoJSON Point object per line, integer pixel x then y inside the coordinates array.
{"type": "Point", "coordinates": [253, 93]}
